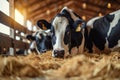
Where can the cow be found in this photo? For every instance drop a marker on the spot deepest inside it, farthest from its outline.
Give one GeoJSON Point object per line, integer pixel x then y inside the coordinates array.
{"type": "Point", "coordinates": [41, 39]}
{"type": "Point", "coordinates": [67, 32]}
{"type": "Point", "coordinates": [104, 32]}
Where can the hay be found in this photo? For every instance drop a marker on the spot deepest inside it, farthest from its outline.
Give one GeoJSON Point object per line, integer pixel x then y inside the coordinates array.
{"type": "Point", "coordinates": [81, 67]}
{"type": "Point", "coordinates": [87, 67]}
{"type": "Point", "coordinates": [11, 66]}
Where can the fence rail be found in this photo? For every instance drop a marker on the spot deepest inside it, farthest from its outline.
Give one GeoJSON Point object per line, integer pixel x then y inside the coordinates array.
{"type": "Point", "coordinates": [6, 41]}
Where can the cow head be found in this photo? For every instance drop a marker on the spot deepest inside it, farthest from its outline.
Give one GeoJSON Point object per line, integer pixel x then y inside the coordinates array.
{"type": "Point", "coordinates": [41, 39]}
{"type": "Point", "coordinates": [62, 27]}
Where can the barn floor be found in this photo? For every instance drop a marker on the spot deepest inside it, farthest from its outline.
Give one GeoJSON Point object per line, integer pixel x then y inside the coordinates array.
{"type": "Point", "coordinates": [44, 67]}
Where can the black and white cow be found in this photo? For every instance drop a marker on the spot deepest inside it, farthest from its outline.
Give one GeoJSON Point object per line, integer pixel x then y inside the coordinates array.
{"type": "Point", "coordinates": [67, 33]}
{"type": "Point", "coordinates": [104, 32]}
{"type": "Point", "coordinates": [41, 39]}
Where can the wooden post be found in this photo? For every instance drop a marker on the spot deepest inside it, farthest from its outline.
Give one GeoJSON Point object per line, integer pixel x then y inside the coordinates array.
{"type": "Point", "coordinates": [12, 8]}
{"type": "Point", "coordinates": [12, 31]}
{"type": "Point", "coordinates": [25, 25]}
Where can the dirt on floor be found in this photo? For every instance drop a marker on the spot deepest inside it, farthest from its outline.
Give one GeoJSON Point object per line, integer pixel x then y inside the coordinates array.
{"type": "Point", "coordinates": [84, 66]}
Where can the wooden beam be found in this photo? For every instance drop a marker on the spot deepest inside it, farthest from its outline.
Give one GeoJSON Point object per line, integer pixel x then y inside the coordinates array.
{"type": "Point", "coordinates": [12, 8]}
{"type": "Point", "coordinates": [32, 8]}
{"type": "Point", "coordinates": [99, 6]}
{"type": "Point", "coordinates": [33, 2]}
{"type": "Point", "coordinates": [53, 12]}
{"type": "Point", "coordinates": [52, 6]}
{"type": "Point", "coordinates": [41, 5]}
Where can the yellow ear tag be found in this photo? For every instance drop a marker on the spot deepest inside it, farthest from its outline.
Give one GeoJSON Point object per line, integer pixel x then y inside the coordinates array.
{"type": "Point", "coordinates": [78, 29]}
{"type": "Point", "coordinates": [43, 26]}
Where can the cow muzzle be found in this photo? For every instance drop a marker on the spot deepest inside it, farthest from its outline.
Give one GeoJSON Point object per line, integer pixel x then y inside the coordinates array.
{"type": "Point", "coordinates": [58, 53]}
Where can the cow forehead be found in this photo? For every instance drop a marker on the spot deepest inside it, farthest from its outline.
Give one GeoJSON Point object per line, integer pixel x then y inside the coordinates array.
{"type": "Point", "coordinates": [60, 23]}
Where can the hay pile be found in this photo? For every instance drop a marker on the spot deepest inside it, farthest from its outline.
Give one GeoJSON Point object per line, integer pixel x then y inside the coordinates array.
{"type": "Point", "coordinates": [86, 68]}
{"type": "Point", "coordinates": [81, 67]}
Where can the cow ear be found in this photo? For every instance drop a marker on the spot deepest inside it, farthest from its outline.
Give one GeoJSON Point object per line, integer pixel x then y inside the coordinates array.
{"type": "Point", "coordinates": [78, 28]}
{"type": "Point", "coordinates": [43, 24]}
{"type": "Point", "coordinates": [30, 37]}
{"type": "Point", "coordinates": [78, 25]}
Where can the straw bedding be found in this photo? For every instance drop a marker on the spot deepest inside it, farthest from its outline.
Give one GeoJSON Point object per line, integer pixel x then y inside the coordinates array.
{"type": "Point", "coordinates": [81, 67]}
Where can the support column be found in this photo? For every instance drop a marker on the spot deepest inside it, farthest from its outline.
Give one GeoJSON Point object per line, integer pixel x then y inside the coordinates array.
{"type": "Point", "coordinates": [12, 31]}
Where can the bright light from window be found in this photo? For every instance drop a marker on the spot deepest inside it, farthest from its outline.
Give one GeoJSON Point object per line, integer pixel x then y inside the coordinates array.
{"type": "Point", "coordinates": [22, 34]}
{"type": "Point", "coordinates": [29, 25]}
{"type": "Point", "coordinates": [4, 6]}
{"type": "Point", "coordinates": [17, 38]}
{"type": "Point", "coordinates": [4, 29]}
{"type": "Point", "coordinates": [34, 28]}
{"type": "Point", "coordinates": [19, 17]}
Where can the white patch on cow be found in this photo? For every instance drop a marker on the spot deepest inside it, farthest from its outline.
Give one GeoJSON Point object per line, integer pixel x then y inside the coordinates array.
{"type": "Point", "coordinates": [65, 8]}
{"type": "Point", "coordinates": [118, 43]}
{"type": "Point", "coordinates": [33, 45]}
{"type": "Point", "coordinates": [48, 32]}
{"type": "Point", "coordinates": [38, 36]}
{"type": "Point", "coordinates": [43, 32]}
{"type": "Point", "coordinates": [112, 24]}
{"type": "Point", "coordinates": [91, 21]}
{"type": "Point", "coordinates": [72, 15]}
{"type": "Point", "coordinates": [29, 51]}
{"type": "Point", "coordinates": [60, 24]}
{"type": "Point", "coordinates": [116, 12]}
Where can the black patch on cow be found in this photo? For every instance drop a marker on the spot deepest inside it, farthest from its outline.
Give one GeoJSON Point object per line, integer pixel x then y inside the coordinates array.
{"type": "Point", "coordinates": [114, 35]}
{"type": "Point", "coordinates": [68, 16]}
{"type": "Point", "coordinates": [48, 42]}
{"type": "Point", "coordinates": [99, 32]}
{"type": "Point", "coordinates": [109, 17]}
{"type": "Point", "coordinates": [76, 39]}
{"type": "Point", "coordinates": [43, 43]}
{"type": "Point", "coordinates": [67, 36]}
{"type": "Point", "coordinates": [53, 37]}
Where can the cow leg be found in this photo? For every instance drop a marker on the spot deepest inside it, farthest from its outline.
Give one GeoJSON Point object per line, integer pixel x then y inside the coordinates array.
{"type": "Point", "coordinates": [81, 47]}
{"type": "Point", "coordinates": [74, 51]}
{"type": "Point", "coordinates": [96, 50]}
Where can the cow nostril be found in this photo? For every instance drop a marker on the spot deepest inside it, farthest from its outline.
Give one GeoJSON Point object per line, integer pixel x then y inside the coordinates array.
{"type": "Point", "coordinates": [59, 53]}
{"type": "Point", "coordinates": [62, 51]}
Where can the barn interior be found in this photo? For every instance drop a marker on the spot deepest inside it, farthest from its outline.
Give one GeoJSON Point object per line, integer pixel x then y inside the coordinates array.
{"type": "Point", "coordinates": [34, 67]}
